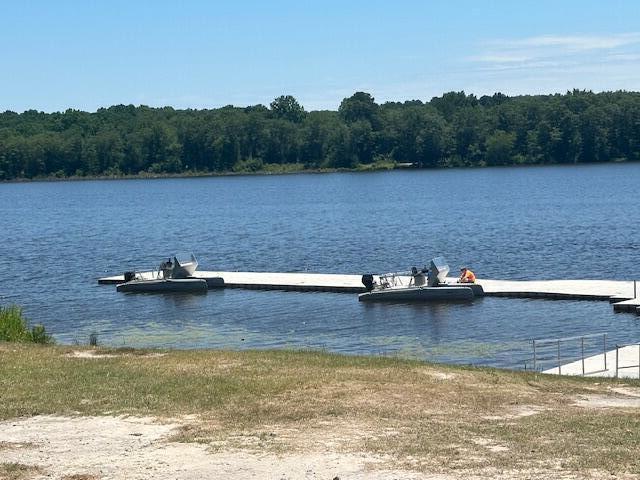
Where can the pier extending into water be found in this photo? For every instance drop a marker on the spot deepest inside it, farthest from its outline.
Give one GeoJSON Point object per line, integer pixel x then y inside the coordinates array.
{"type": "Point", "coordinates": [309, 282]}
{"type": "Point", "coordinates": [624, 361]}
{"type": "Point", "coordinates": [620, 293]}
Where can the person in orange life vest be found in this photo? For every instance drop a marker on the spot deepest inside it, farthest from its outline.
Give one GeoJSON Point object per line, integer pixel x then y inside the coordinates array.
{"type": "Point", "coordinates": [466, 276]}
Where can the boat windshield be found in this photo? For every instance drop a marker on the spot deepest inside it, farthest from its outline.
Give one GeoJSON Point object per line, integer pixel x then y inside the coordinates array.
{"type": "Point", "coordinates": [183, 258]}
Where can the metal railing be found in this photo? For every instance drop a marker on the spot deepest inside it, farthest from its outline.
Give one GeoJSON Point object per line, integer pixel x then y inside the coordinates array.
{"type": "Point", "coordinates": [556, 352]}
{"type": "Point", "coordinates": [618, 367]}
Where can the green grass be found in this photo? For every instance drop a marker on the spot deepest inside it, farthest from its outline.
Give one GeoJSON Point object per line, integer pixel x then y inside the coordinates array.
{"type": "Point", "coordinates": [428, 417]}
{"type": "Point", "coordinates": [14, 327]}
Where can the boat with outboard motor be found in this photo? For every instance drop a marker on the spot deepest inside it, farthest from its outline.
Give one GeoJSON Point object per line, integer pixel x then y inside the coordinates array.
{"type": "Point", "coordinates": [174, 275]}
{"type": "Point", "coordinates": [425, 285]}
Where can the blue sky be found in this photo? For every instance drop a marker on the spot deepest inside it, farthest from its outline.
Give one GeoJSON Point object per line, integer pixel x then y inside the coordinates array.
{"type": "Point", "coordinates": [87, 54]}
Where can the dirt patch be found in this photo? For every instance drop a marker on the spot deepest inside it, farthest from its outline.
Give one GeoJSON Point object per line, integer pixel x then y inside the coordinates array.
{"type": "Point", "coordinates": [80, 476]}
{"type": "Point", "coordinates": [139, 448]}
{"type": "Point", "coordinates": [442, 375]}
{"type": "Point", "coordinates": [94, 354]}
{"type": "Point", "coordinates": [606, 401]}
{"type": "Point", "coordinates": [90, 354]}
{"type": "Point", "coordinates": [490, 445]}
{"type": "Point", "coordinates": [518, 411]}
{"type": "Point", "coordinates": [627, 391]}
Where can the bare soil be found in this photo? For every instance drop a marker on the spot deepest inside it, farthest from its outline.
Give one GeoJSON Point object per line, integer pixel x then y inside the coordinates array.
{"type": "Point", "coordinates": [128, 447]}
{"type": "Point", "coordinates": [141, 448]}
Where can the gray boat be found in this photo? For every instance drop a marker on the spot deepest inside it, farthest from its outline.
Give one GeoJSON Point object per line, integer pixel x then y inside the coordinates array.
{"type": "Point", "coordinates": [174, 275]}
{"type": "Point", "coordinates": [425, 285]}
{"type": "Point", "coordinates": [164, 285]}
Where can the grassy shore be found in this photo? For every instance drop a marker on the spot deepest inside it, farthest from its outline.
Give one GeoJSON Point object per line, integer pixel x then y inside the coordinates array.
{"type": "Point", "coordinates": [423, 417]}
{"type": "Point", "coordinates": [266, 169]}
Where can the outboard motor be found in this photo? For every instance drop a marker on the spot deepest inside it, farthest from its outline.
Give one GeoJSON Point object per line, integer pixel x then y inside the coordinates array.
{"type": "Point", "coordinates": [367, 281]}
{"type": "Point", "coordinates": [419, 277]}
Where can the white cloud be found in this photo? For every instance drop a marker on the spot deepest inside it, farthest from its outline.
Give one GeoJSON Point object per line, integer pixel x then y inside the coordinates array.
{"type": "Point", "coordinates": [555, 48]}
{"type": "Point", "coordinates": [625, 57]}
{"type": "Point", "coordinates": [579, 42]}
{"type": "Point", "coordinates": [501, 58]}
{"type": "Point", "coordinates": [554, 63]}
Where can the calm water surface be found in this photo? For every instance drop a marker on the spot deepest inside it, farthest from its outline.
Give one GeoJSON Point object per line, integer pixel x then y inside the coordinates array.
{"type": "Point", "coordinates": [513, 223]}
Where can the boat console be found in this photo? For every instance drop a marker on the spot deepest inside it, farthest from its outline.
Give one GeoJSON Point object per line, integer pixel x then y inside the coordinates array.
{"type": "Point", "coordinates": [438, 271]}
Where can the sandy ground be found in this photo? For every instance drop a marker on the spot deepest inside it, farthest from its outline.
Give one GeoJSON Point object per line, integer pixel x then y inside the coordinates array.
{"type": "Point", "coordinates": [108, 447]}
{"type": "Point", "coordinates": [86, 448]}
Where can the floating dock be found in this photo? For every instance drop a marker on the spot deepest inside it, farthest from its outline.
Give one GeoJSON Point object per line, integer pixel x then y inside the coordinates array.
{"type": "Point", "coordinates": [610, 290]}
{"type": "Point", "coordinates": [623, 362]}
{"type": "Point", "coordinates": [630, 305]}
{"type": "Point", "coordinates": [621, 292]}
{"type": "Point", "coordinates": [308, 282]}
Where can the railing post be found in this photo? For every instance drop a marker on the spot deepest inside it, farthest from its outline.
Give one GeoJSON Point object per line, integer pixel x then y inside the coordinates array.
{"type": "Point", "coordinates": [616, 361]}
{"type": "Point", "coordinates": [604, 351]}
{"type": "Point", "coordinates": [582, 353]}
{"type": "Point", "coordinates": [535, 367]}
{"type": "Point", "coordinates": [639, 360]}
{"type": "Point", "coordinates": [559, 367]}
{"type": "Point", "coordinates": [634, 290]}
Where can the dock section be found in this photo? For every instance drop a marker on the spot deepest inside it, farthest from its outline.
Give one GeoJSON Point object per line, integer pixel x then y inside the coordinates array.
{"type": "Point", "coordinates": [306, 282]}
{"type": "Point", "coordinates": [623, 362]}
{"type": "Point", "coordinates": [611, 290]}
{"type": "Point", "coordinates": [619, 293]}
{"type": "Point", "coordinates": [560, 289]}
{"type": "Point", "coordinates": [309, 282]}
{"type": "Point", "coordinates": [631, 305]}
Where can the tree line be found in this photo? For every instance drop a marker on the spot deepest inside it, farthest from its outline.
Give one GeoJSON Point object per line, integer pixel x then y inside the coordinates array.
{"type": "Point", "coordinates": [453, 130]}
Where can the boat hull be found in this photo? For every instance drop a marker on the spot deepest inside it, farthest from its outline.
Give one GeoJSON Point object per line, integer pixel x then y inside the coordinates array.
{"type": "Point", "coordinates": [419, 294]}
{"type": "Point", "coordinates": [170, 285]}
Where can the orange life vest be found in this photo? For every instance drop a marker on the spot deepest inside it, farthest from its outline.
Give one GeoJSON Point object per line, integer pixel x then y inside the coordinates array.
{"type": "Point", "coordinates": [469, 277]}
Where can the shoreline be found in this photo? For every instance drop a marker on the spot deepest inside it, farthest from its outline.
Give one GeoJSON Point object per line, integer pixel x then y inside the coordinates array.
{"type": "Point", "coordinates": [318, 171]}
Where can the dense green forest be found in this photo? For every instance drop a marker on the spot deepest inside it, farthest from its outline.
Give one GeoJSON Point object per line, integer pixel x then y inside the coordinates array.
{"type": "Point", "coordinates": [452, 130]}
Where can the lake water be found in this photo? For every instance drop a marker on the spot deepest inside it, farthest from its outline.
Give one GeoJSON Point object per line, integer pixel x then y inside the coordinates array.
{"type": "Point", "coordinates": [513, 223]}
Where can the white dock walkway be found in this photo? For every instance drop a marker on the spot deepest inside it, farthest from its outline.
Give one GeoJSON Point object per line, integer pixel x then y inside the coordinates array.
{"type": "Point", "coordinates": [559, 289]}
{"type": "Point", "coordinates": [627, 363]}
{"type": "Point", "coordinates": [290, 281]}
{"type": "Point", "coordinates": [555, 289]}
{"type": "Point", "coordinates": [274, 281]}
